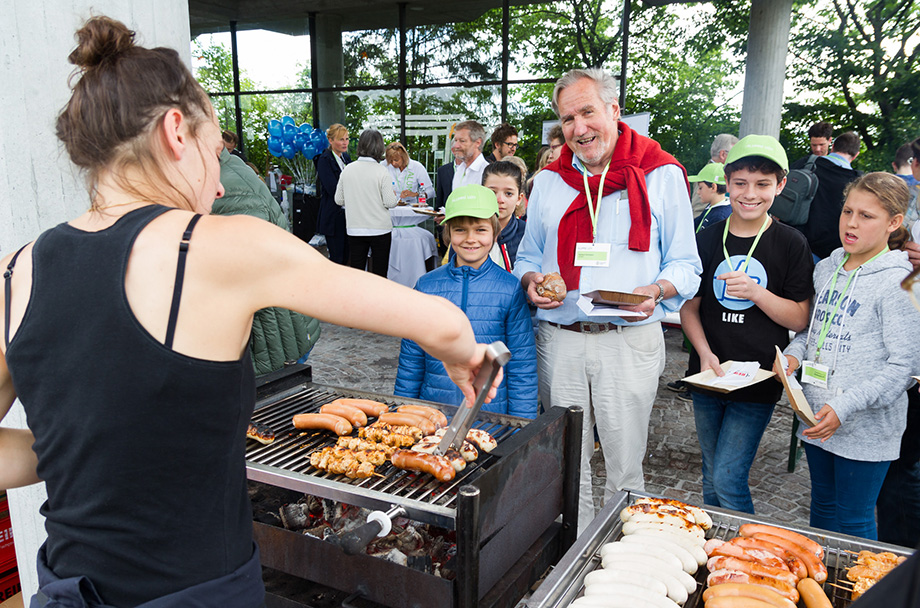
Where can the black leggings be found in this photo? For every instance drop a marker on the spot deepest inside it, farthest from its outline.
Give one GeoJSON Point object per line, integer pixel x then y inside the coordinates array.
{"type": "Point", "coordinates": [379, 247]}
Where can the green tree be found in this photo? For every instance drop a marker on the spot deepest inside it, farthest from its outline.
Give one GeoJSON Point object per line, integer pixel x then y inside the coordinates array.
{"type": "Point", "coordinates": [859, 63]}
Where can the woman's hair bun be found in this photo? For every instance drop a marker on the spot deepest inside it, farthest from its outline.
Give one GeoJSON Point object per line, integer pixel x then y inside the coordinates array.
{"type": "Point", "coordinates": [99, 39]}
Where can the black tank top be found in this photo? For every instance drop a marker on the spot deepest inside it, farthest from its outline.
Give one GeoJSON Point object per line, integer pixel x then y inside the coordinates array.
{"type": "Point", "coordinates": [141, 448]}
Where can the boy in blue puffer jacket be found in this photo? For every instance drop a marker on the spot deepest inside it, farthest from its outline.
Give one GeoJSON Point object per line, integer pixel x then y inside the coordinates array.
{"type": "Point", "coordinates": [490, 296]}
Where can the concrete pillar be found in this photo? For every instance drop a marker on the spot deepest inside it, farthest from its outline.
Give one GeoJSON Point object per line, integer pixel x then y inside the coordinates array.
{"type": "Point", "coordinates": [330, 69]}
{"type": "Point", "coordinates": [39, 188]}
{"type": "Point", "coordinates": [768, 43]}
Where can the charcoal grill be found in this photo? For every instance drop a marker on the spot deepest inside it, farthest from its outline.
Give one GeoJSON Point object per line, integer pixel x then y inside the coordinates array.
{"type": "Point", "coordinates": [504, 507]}
{"type": "Point", "coordinates": [566, 581]}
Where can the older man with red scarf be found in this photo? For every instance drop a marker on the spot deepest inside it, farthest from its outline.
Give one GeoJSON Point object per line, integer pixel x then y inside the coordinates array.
{"type": "Point", "coordinates": [611, 213]}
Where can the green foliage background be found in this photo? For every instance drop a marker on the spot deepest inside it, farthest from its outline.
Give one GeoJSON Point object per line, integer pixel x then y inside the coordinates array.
{"type": "Point", "coordinates": [853, 64]}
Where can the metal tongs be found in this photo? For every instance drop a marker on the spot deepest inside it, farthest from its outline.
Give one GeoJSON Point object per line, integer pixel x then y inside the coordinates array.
{"type": "Point", "coordinates": [497, 355]}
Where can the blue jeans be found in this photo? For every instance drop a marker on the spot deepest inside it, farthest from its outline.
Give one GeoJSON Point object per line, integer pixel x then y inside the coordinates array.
{"type": "Point", "coordinates": [843, 492]}
{"type": "Point", "coordinates": [729, 433]}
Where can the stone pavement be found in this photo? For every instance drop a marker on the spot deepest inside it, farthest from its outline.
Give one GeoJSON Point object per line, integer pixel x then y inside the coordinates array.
{"type": "Point", "coordinates": [365, 361]}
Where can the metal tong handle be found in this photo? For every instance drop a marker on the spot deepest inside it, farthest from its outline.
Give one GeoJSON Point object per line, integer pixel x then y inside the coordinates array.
{"type": "Point", "coordinates": [378, 524]}
{"type": "Point", "coordinates": [497, 355]}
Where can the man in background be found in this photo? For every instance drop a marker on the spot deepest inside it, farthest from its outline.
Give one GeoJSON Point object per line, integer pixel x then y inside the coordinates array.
{"type": "Point", "coordinates": [834, 171]}
{"type": "Point", "coordinates": [469, 137]}
{"type": "Point", "coordinates": [231, 142]}
{"type": "Point", "coordinates": [504, 142]}
{"type": "Point", "coordinates": [278, 335]}
{"type": "Point", "coordinates": [820, 140]}
{"type": "Point", "coordinates": [718, 152]}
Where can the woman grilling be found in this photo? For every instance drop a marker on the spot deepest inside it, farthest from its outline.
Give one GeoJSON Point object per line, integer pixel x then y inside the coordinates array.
{"type": "Point", "coordinates": [142, 308]}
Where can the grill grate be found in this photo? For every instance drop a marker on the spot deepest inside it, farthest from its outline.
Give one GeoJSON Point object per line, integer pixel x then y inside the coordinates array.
{"type": "Point", "coordinates": [285, 462]}
{"type": "Point", "coordinates": [567, 579]}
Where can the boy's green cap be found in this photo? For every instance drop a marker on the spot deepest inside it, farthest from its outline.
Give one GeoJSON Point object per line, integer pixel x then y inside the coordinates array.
{"type": "Point", "coordinates": [471, 201]}
{"type": "Point", "coordinates": [713, 173]}
{"type": "Point", "coordinates": [759, 145]}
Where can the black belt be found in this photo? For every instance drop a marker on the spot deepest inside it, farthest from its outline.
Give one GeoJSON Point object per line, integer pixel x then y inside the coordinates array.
{"type": "Point", "coordinates": [586, 327]}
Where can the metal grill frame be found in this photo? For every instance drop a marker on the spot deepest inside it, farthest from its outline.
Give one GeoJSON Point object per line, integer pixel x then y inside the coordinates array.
{"type": "Point", "coordinates": [566, 580]}
{"type": "Point", "coordinates": [284, 462]}
{"type": "Point", "coordinates": [506, 517]}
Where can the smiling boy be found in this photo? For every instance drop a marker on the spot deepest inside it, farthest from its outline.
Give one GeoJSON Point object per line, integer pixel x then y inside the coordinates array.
{"type": "Point", "coordinates": [755, 287]}
{"type": "Point", "coordinates": [490, 296]}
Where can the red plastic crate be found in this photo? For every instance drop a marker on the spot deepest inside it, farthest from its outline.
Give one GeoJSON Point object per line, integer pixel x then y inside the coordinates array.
{"type": "Point", "coordinates": [7, 549]}
{"type": "Point", "coordinates": [9, 583]}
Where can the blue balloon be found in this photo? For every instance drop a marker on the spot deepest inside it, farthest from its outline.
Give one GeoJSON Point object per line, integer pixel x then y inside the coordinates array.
{"type": "Point", "coordinates": [299, 140]}
{"type": "Point", "coordinates": [287, 120]}
{"type": "Point", "coordinates": [275, 153]}
{"type": "Point", "coordinates": [288, 151]}
{"type": "Point", "coordinates": [317, 135]}
{"type": "Point", "coordinates": [288, 132]}
{"type": "Point", "coordinates": [275, 144]}
{"type": "Point", "coordinates": [274, 127]}
{"type": "Point", "coordinates": [309, 150]}
{"type": "Point", "coordinates": [306, 128]}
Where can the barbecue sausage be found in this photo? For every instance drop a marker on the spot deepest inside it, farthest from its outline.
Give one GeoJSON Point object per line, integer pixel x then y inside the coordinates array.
{"type": "Point", "coordinates": [812, 594]}
{"type": "Point", "coordinates": [795, 565]}
{"type": "Point", "coordinates": [325, 422]}
{"type": "Point", "coordinates": [816, 568]}
{"type": "Point", "coordinates": [436, 416]}
{"type": "Point", "coordinates": [437, 466]}
{"type": "Point", "coordinates": [753, 529]}
{"type": "Point", "coordinates": [747, 590]}
{"type": "Point", "coordinates": [400, 419]}
{"type": "Point", "coordinates": [719, 577]}
{"type": "Point", "coordinates": [726, 601]}
{"type": "Point", "coordinates": [765, 558]}
{"type": "Point", "coordinates": [369, 407]}
{"type": "Point", "coordinates": [354, 415]}
{"type": "Point", "coordinates": [733, 563]}
{"type": "Point", "coordinates": [702, 517]}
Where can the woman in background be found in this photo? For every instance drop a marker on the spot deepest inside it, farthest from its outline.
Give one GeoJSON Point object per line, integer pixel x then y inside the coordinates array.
{"type": "Point", "coordinates": [366, 192]}
{"type": "Point", "coordinates": [410, 179]}
{"type": "Point", "coordinates": [330, 221]}
{"type": "Point", "coordinates": [140, 433]}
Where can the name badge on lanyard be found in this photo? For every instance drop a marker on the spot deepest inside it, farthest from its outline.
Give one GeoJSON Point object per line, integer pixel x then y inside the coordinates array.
{"type": "Point", "coordinates": [592, 254]}
{"type": "Point", "coordinates": [815, 373]}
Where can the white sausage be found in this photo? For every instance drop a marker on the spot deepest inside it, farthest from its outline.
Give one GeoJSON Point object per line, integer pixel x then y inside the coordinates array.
{"type": "Point", "coordinates": [602, 575]}
{"type": "Point", "coordinates": [688, 561]}
{"type": "Point", "coordinates": [684, 541]}
{"type": "Point", "coordinates": [640, 549]}
{"type": "Point", "coordinates": [676, 589]}
{"type": "Point", "coordinates": [625, 590]}
{"type": "Point", "coordinates": [695, 532]}
{"type": "Point", "coordinates": [654, 563]}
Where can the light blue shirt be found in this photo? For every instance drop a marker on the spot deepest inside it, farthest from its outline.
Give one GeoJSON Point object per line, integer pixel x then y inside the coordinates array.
{"type": "Point", "coordinates": [839, 160]}
{"type": "Point", "coordinates": [672, 255]}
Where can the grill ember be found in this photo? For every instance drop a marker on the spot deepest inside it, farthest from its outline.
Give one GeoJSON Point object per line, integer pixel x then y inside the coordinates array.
{"type": "Point", "coordinates": [413, 544]}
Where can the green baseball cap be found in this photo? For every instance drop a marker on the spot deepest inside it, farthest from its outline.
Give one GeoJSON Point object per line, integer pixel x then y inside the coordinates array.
{"type": "Point", "coordinates": [471, 201]}
{"type": "Point", "coordinates": [713, 173]}
{"type": "Point", "coordinates": [759, 145]}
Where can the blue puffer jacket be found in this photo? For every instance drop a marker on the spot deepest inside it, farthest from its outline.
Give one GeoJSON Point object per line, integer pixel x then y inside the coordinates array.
{"type": "Point", "coordinates": [493, 300]}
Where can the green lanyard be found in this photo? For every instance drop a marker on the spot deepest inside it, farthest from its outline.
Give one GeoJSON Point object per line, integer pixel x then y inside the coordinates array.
{"type": "Point", "coordinates": [592, 211]}
{"type": "Point", "coordinates": [703, 219]}
{"type": "Point", "coordinates": [826, 323]}
{"type": "Point", "coordinates": [728, 260]}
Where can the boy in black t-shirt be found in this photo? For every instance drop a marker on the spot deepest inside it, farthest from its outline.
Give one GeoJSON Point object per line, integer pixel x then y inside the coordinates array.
{"type": "Point", "coordinates": [755, 287]}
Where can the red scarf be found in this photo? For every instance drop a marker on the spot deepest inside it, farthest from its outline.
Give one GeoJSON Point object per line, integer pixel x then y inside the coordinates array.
{"type": "Point", "coordinates": [634, 157]}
